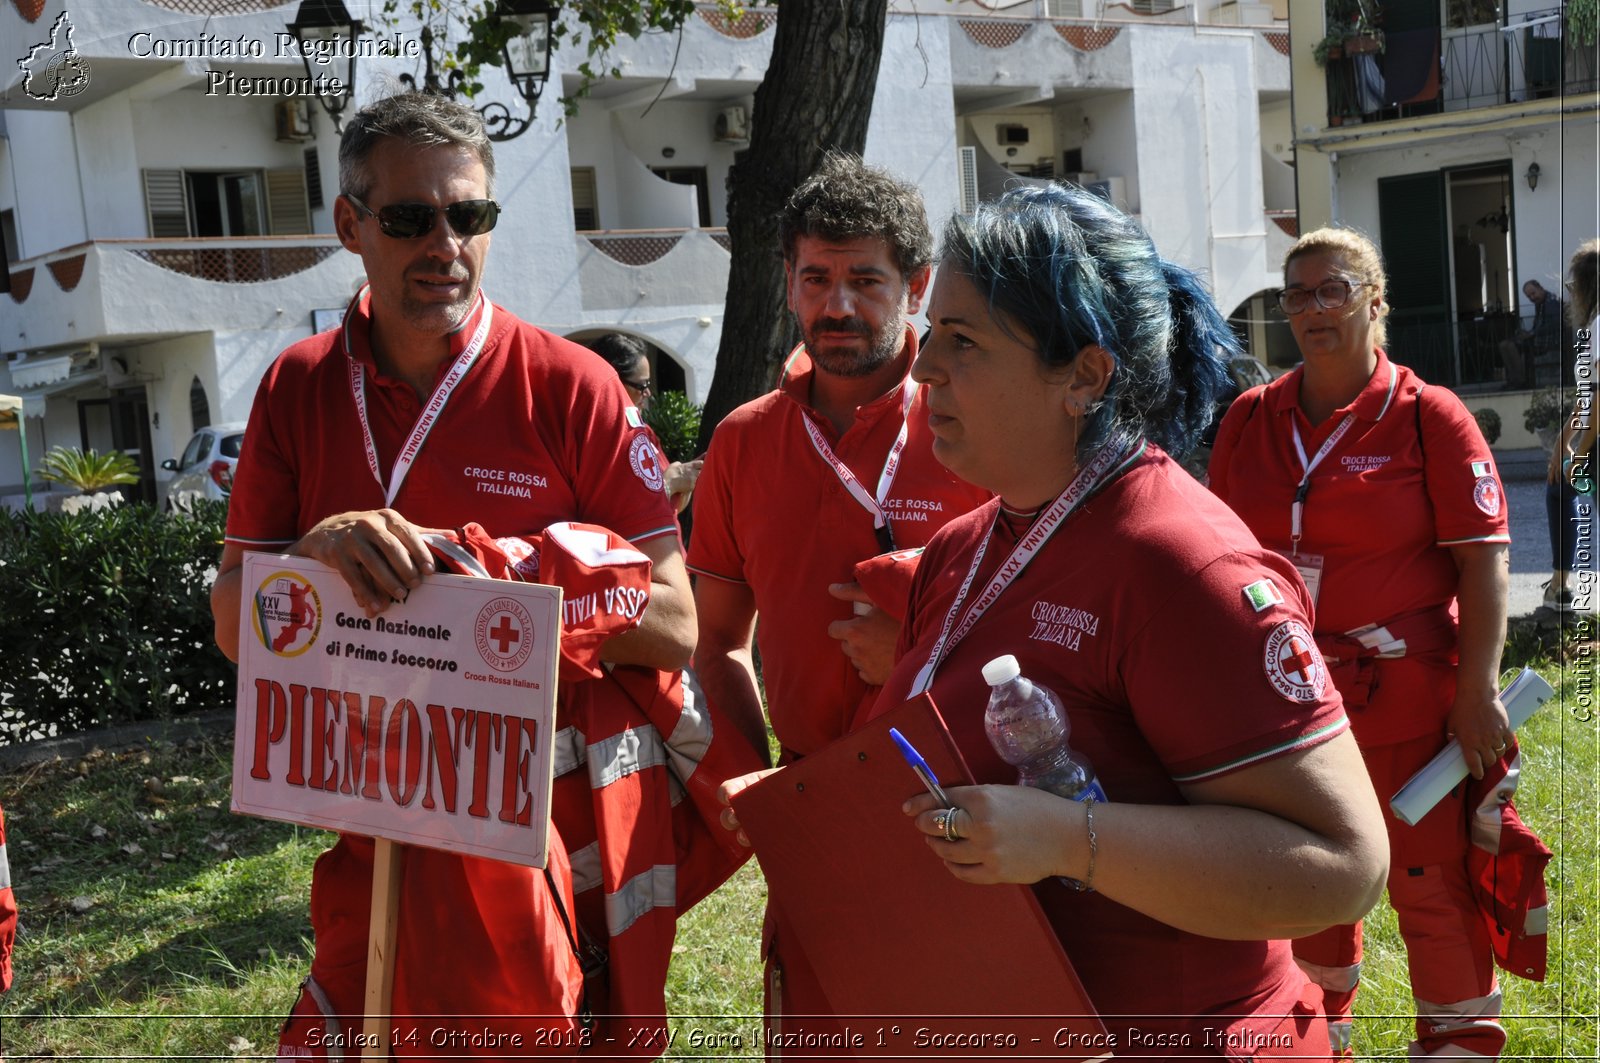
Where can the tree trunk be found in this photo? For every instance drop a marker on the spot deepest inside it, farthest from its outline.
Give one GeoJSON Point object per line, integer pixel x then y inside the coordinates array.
{"type": "Point", "coordinates": [816, 94]}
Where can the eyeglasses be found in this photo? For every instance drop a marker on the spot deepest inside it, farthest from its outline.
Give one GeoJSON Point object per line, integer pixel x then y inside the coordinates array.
{"type": "Point", "coordinates": [408, 221]}
{"type": "Point", "coordinates": [642, 387]}
{"type": "Point", "coordinates": [1331, 295]}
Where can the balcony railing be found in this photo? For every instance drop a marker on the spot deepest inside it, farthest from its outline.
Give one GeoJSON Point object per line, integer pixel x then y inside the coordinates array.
{"type": "Point", "coordinates": [1470, 352]}
{"type": "Point", "coordinates": [1428, 70]}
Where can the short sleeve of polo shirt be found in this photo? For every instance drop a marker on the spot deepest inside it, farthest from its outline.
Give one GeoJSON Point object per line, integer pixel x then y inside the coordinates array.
{"type": "Point", "coordinates": [618, 466]}
{"type": "Point", "coordinates": [713, 548]}
{"type": "Point", "coordinates": [263, 507]}
{"type": "Point", "coordinates": [1216, 684]}
{"type": "Point", "coordinates": [1229, 434]}
{"type": "Point", "coordinates": [1469, 502]}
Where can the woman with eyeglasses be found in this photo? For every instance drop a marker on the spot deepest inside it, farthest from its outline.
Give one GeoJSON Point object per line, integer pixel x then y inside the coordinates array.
{"type": "Point", "coordinates": [1382, 492]}
{"type": "Point", "coordinates": [627, 356]}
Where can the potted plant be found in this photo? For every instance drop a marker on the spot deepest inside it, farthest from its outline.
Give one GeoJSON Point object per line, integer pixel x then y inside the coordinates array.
{"type": "Point", "coordinates": [1352, 29]}
{"type": "Point", "coordinates": [88, 470]}
{"type": "Point", "coordinates": [1544, 415]}
{"type": "Point", "coordinates": [1488, 423]}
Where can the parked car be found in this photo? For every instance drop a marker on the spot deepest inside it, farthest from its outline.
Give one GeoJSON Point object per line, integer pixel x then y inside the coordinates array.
{"type": "Point", "coordinates": [1245, 372]}
{"type": "Point", "coordinates": [206, 468]}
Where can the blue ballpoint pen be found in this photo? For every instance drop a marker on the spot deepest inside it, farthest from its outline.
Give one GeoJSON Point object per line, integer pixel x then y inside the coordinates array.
{"type": "Point", "coordinates": [920, 766]}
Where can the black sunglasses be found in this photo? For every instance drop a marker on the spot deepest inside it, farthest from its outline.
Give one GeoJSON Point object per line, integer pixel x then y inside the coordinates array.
{"type": "Point", "coordinates": [643, 388]}
{"type": "Point", "coordinates": [408, 221]}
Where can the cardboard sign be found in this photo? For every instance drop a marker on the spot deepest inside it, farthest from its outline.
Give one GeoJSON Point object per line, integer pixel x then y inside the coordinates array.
{"type": "Point", "coordinates": [429, 724]}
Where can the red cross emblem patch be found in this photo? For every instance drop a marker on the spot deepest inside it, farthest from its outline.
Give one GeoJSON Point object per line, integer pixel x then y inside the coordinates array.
{"type": "Point", "coordinates": [504, 634]}
{"type": "Point", "coordinates": [1486, 495]}
{"type": "Point", "coordinates": [1294, 667]}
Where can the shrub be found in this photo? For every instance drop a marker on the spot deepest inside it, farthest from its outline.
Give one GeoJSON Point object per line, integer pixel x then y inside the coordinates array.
{"type": "Point", "coordinates": [1544, 410]}
{"type": "Point", "coordinates": [1488, 423]}
{"type": "Point", "coordinates": [676, 422]}
{"type": "Point", "coordinates": [107, 619]}
{"type": "Point", "coordinates": [88, 470]}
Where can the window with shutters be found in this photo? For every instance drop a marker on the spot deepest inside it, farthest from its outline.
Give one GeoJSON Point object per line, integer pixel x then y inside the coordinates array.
{"type": "Point", "coordinates": [183, 203]}
{"type": "Point", "coordinates": [585, 202]}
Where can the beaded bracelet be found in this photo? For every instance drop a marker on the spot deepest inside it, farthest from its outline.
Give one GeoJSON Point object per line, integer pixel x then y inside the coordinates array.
{"type": "Point", "coordinates": [1086, 885]}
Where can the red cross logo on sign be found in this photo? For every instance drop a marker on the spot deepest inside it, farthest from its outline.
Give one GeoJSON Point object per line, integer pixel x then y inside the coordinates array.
{"type": "Point", "coordinates": [504, 634]}
{"type": "Point", "coordinates": [1293, 666]}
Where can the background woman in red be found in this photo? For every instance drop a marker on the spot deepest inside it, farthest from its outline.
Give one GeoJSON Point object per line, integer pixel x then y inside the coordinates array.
{"type": "Point", "coordinates": [1382, 492]}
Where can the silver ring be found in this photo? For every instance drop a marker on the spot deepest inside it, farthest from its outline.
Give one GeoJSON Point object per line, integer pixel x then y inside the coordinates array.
{"type": "Point", "coordinates": [949, 824]}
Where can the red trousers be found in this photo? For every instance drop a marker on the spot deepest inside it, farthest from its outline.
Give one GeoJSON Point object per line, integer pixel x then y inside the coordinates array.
{"type": "Point", "coordinates": [1447, 947]}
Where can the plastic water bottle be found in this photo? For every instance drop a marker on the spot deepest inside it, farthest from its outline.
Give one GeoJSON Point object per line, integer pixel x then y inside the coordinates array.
{"type": "Point", "coordinates": [1028, 727]}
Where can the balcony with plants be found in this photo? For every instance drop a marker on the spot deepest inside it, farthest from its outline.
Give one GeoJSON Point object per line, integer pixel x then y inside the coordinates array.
{"type": "Point", "coordinates": [1385, 62]}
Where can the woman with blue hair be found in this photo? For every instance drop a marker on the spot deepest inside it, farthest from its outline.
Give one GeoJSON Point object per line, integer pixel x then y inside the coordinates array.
{"type": "Point", "coordinates": [1066, 361]}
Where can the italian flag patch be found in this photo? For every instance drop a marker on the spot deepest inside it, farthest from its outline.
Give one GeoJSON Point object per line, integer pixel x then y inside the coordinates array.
{"type": "Point", "coordinates": [634, 420]}
{"type": "Point", "coordinates": [1480, 468]}
{"type": "Point", "coordinates": [1262, 594]}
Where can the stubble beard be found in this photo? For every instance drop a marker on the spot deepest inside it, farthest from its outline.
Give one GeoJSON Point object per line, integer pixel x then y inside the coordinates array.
{"type": "Point", "coordinates": [882, 347]}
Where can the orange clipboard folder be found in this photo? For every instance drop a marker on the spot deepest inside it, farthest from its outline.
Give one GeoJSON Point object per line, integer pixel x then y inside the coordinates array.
{"type": "Point", "coordinates": [895, 939]}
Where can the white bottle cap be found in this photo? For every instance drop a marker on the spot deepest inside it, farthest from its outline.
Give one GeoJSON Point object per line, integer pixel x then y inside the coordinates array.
{"type": "Point", "coordinates": [1001, 670]}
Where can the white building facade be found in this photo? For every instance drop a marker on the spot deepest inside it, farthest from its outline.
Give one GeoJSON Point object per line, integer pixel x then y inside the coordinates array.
{"type": "Point", "coordinates": [167, 234]}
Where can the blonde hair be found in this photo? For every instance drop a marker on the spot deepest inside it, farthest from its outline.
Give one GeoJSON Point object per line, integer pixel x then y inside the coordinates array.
{"type": "Point", "coordinates": [1584, 286]}
{"type": "Point", "coordinates": [1360, 254]}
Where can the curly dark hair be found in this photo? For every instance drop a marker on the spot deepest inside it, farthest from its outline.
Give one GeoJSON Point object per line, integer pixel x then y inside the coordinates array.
{"type": "Point", "coordinates": [845, 199]}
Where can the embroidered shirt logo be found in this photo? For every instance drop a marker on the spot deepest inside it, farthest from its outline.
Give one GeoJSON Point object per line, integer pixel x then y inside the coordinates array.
{"type": "Point", "coordinates": [646, 462]}
{"type": "Point", "coordinates": [1363, 462]}
{"type": "Point", "coordinates": [1485, 492]}
{"type": "Point", "coordinates": [1062, 624]}
{"type": "Point", "coordinates": [1294, 667]}
{"type": "Point", "coordinates": [1262, 595]}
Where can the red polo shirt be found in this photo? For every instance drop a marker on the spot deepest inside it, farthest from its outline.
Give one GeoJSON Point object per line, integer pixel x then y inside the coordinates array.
{"type": "Point", "coordinates": [1410, 478]}
{"type": "Point", "coordinates": [536, 431]}
{"type": "Point", "coordinates": [1139, 613]}
{"type": "Point", "coordinates": [771, 513]}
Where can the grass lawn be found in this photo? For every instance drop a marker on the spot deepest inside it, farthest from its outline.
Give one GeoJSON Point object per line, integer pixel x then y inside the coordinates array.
{"type": "Point", "coordinates": [157, 924]}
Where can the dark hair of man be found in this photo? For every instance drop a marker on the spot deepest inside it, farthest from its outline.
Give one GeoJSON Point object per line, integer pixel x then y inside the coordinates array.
{"type": "Point", "coordinates": [418, 120]}
{"type": "Point", "coordinates": [621, 351]}
{"type": "Point", "coordinates": [845, 199]}
{"type": "Point", "coordinates": [1063, 270]}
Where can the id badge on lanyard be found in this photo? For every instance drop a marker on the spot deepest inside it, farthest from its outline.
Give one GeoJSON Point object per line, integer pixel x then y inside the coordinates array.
{"type": "Point", "coordinates": [1310, 568]}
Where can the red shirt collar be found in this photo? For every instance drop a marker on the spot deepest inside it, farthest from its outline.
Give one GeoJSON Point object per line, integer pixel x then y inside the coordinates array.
{"type": "Point", "coordinates": [1373, 401]}
{"type": "Point", "coordinates": [357, 331]}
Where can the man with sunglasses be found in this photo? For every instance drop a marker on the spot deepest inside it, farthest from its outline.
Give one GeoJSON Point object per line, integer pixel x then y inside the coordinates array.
{"type": "Point", "coordinates": [429, 408]}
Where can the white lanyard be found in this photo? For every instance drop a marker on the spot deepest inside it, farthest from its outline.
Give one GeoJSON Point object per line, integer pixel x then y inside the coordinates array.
{"type": "Point", "coordinates": [430, 412]}
{"type": "Point", "coordinates": [873, 505]}
{"type": "Point", "coordinates": [1105, 466]}
{"type": "Point", "coordinates": [1303, 488]}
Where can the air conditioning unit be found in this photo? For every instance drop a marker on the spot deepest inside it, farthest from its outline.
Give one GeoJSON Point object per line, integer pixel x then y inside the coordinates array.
{"type": "Point", "coordinates": [1113, 190]}
{"type": "Point", "coordinates": [733, 123]}
{"type": "Point", "coordinates": [1083, 178]}
{"type": "Point", "coordinates": [293, 120]}
{"type": "Point", "coordinates": [968, 160]}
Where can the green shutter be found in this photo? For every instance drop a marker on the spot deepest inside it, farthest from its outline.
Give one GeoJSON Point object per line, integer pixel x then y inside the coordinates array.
{"type": "Point", "coordinates": [1411, 220]}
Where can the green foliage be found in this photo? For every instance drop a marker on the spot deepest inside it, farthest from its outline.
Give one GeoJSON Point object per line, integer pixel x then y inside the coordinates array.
{"type": "Point", "coordinates": [88, 470]}
{"type": "Point", "coordinates": [467, 35]}
{"type": "Point", "coordinates": [676, 422]}
{"type": "Point", "coordinates": [107, 618]}
{"type": "Point", "coordinates": [1488, 423]}
{"type": "Point", "coordinates": [1348, 20]}
{"type": "Point", "coordinates": [1545, 410]}
{"type": "Point", "coordinates": [1583, 22]}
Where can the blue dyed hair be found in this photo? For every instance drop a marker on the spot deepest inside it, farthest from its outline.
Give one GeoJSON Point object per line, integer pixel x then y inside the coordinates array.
{"type": "Point", "coordinates": [1063, 269]}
